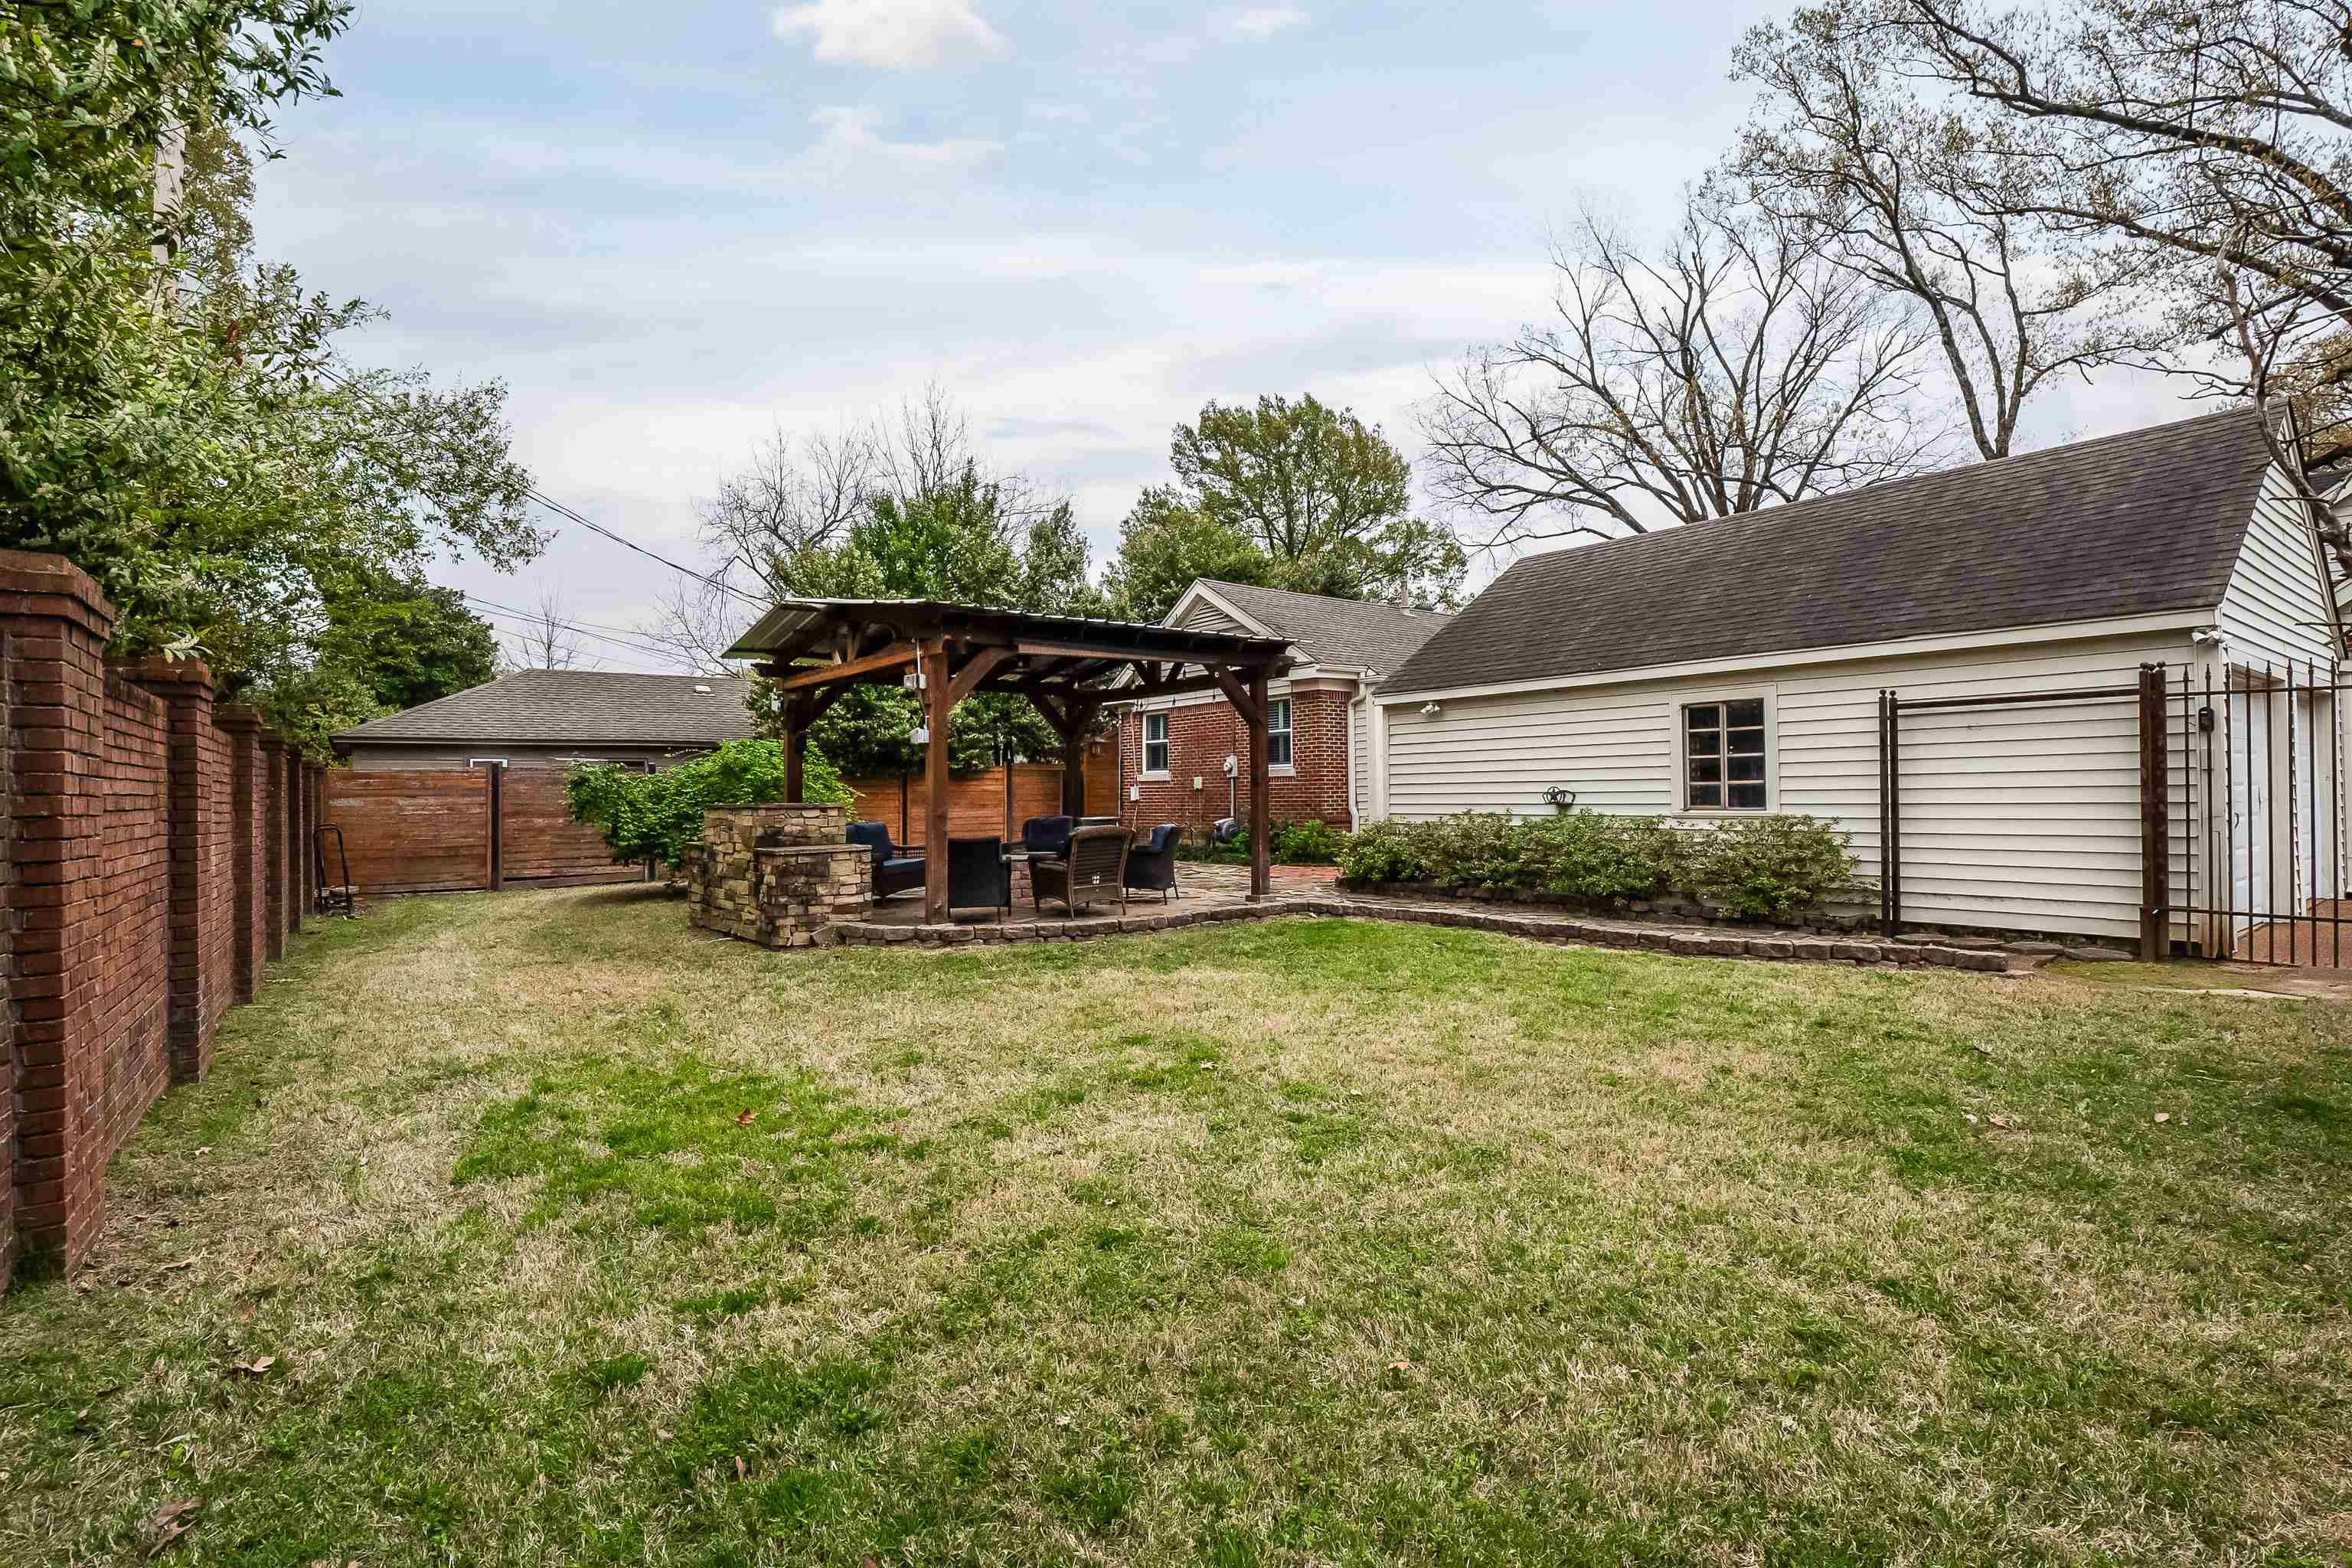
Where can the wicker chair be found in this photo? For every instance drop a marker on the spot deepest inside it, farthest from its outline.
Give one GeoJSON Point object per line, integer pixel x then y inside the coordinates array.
{"type": "Point", "coordinates": [979, 877]}
{"type": "Point", "coordinates": [1094, 868]}
{"type": "Point", "coordinates": [1151, 865]}
{"type": "Point", "coordinates": [1045, 837]}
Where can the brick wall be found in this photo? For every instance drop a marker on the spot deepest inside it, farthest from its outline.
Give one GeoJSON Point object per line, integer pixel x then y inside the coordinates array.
{"type": "Point", "coordinates": [1200, 735]}
{"type": "Point", "coordinates": [131, 808]}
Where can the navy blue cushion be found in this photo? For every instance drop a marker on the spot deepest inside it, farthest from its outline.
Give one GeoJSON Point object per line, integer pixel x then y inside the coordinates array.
{"type": "Point", "coordinates": [1159, 837]}
{"type": "Point", "coordinates": [875, 836]}
{"type": "Point", "coordinates": [903, 862]}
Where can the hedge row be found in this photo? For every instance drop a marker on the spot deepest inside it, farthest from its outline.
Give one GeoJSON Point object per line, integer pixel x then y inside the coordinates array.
{"type": "Point", "coordinates": [1746, 868]}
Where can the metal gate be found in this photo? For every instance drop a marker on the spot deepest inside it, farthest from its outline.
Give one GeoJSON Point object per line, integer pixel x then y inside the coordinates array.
{"type": "Point", "coordinates": [2266, 749]}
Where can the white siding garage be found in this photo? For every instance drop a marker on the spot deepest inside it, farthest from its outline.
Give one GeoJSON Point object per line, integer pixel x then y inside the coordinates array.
{"type": "Point", "coordinates": [2016, 817]}
{"type": "Point", "coordinates": [2024, 817]}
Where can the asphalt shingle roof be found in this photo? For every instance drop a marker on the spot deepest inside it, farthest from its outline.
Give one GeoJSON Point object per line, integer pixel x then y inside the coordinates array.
{"type": "Point", "coordinates": [594, 706]}
{"type": "Point", "coordinates": [2125, 525]}
{"type": "Point", "coordinates": [1341, 633]}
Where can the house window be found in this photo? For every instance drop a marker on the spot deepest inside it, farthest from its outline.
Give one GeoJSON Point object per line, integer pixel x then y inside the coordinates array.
{"type": "Point", "coordinates": [1277, 732]}
{"type": "Point", "coordinates": [1723, 755]}
{"type": "Point", "coordinates": [1155, 743]}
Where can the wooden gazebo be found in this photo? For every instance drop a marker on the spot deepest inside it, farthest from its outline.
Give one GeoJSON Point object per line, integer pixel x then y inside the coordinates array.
{"type": "Point", "coordinates": [1068, 667]}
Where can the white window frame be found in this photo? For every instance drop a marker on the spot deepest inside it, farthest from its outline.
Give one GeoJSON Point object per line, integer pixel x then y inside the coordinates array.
{"type": "Point", "coordinates": [1686, 700]}
{"type": "Point", "coordinates": [1289, 766]}
{"type": "Point", "coordinates": [1166, 744]}
{"type": "Point", "coordinates": [485, 762]}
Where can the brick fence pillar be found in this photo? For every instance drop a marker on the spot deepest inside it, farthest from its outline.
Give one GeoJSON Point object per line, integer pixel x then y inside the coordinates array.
{"type": "Point", "coordinates": [195, 828]}
{"type": "Point", "coordinates": [249, 801]}
{"type": "Point", "coordinates": [272, 826]}
{"type": "Point", "coordinates": [53, 625]}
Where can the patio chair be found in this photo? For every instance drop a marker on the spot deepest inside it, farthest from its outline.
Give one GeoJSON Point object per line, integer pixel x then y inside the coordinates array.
{"type": "Point", "coordinates": [1093, 869]}
{"type": "Point", "coordinates": [978, 876]}
{"type": "Point", "coordinates": [1047, 835]}
{"type": "Point", "coordinates": [894, 870]}
{"type": "Point", "coordinates": [1153, 863]}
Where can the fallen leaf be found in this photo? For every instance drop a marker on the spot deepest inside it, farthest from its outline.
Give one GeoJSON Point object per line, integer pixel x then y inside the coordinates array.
{"type": "Point", "coordinates": [203, 1148]}
{"type": "Point", "coordinates": [2164, 1116]}
{"type": "Point", "coordinates": [1984, 1050]}
{"type": "Point", "coordinates": [169, 1522]}
{"type": "Point", "coordinates": [740, 1471]}
{"type": "Point", "coordinates": [2004, 1120]}
{"type": "Point", "coordinates": [175, 1267]}
{"type": "Point", "coordinates": [257, 1367]}
{"type": "Point", "coordinates": [1971, 1116]}
{"type": "Point", "coordinates": [743, 1117]}
{"type": "Point", "coordinates": [1400, 1366]}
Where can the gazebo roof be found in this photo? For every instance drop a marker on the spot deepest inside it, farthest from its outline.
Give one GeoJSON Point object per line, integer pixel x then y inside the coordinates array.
{"type": "Point", "coordinates": [825, 642]}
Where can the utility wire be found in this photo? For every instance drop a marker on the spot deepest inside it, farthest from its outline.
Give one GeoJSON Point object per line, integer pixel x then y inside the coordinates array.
{"type": "Point", "coordinates": [569, 514]}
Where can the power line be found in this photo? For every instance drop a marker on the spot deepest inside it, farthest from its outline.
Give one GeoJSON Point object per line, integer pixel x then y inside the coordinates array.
{"type": "Point", "coordinates": [561, 509]}
{"type": "Point", "coordinates": [529, 622]}
{"type": "Point", "coordinates": [631, 635]}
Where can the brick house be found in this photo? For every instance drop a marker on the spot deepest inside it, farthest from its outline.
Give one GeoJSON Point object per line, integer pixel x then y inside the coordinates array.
{"type": "Point", "coordinates": [1173, 752]}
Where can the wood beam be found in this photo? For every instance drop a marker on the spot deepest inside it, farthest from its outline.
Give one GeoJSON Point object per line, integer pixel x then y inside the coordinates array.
{"type": "Point", "coordinates": [976, 669]}
{"type": "Point", "coordinates": [1249, 701]}
{"type": "Point", "coordinates": [1261, 813]}
{"type": "Point", "coordinates": [937, 681]}
{"type": "Point", "coordinates": [891, 657]}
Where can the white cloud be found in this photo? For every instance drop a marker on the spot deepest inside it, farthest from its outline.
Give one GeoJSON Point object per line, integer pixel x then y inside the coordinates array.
{"type": "Point", "coordinates": [850, 142]}
{"type": "Point", "coordinates": [896, 35]}
{"type": "Point", "coordinates": [1263, 21]}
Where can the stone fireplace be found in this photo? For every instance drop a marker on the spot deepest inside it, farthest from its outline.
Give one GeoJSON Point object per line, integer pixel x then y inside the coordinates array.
{"type": "Point", "coordinates": [776, 875]}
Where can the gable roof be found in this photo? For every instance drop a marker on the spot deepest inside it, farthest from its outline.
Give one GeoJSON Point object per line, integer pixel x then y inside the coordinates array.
{"type": "Point", "coordinates": [593, 707]}
{"type": "Point", "coordinates": [2125, 525]}
{"type": "Point", "coordinates": [1338, 634]}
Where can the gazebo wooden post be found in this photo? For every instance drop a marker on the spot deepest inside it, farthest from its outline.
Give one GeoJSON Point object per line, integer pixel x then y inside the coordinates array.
{"type": "Point", "coordinates": [1081, 717]}
{"type": "Point", "coordinates": [795, 739]}
{"type": "Point", "coordinates": [937, 701]}
{"type": "Point", "coordinates": [1261, 876]}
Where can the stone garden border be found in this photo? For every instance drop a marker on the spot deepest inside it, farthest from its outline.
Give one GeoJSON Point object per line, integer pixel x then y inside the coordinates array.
{"type": "Point", "coordinates": [1844, 948]}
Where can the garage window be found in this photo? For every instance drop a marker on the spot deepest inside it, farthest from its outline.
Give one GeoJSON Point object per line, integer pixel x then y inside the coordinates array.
{"type": "Point", "coordinates": [1723, 755]}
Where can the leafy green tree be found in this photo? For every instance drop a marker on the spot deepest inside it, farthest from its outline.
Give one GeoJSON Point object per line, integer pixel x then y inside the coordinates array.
{"type": "Point", "coordinates": [1292, 494]}
{"type": "Point", "coordinates": [175, 419]}
{"type": "Point", "coordinates": [1165, 544]}
{"type": "Point", "coordinates": [653, 817]}
{"type": "Point", "coordinates": [953, 532]}
{"type": "Point", "coordinates": [410, 642]}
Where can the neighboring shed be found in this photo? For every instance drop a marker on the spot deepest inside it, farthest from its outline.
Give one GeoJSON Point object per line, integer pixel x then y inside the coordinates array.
{"type": "Point", "coordinates": [1734, 668]}
{"type": "Point", "coordinates": [553, 718]}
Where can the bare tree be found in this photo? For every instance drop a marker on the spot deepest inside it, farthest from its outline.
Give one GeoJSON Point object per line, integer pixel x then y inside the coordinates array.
{"type": "Point", "coordinates": [2217, 138]}
{"type": "Point", "coordinates": [1735, 368]}
{"type": "Point", "coordinates": [1906, 192]}
{"type": "Point", "coordinates": [799, 493]}
{"type": "Point", "coordinates": [545, 639]}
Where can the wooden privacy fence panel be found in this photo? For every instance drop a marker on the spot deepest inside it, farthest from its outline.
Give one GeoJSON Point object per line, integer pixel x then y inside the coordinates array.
{"type": "Point", "coordinates": [976, 804]}
{"type": "Point", "coordinates": [422, 830]}
{"type": "Point", "coordinates": [538, 840]}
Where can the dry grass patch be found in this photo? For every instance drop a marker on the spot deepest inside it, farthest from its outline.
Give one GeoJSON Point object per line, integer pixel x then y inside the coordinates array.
{"type": "Point", "coordinates": [569, 1237]}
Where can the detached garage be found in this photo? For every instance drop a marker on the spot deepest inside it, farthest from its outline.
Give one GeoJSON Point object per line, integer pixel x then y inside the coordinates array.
{"type": "Point", "coordinates": [469, 792]}
{"type": "Point", "coordinates": [1745, 666]}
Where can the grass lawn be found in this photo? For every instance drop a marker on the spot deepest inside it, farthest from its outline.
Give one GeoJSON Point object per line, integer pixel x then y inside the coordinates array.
{"type": "Point", "coordinates": [534, 1228]}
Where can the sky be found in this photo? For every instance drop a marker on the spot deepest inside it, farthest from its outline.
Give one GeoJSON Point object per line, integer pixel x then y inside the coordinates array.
{"type": "Point", "coordinates": [674, 229]}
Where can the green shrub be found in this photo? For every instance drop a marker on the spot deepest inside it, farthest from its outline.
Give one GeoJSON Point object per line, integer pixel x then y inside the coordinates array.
{"type": "Point", "coordinates": [1770, 867]}
{"type": "Point", "coordinates": [1381, 852]}
{"type": "Point", "coordinates": [653, 817]}
{"type": "Point", "coordinates": [1750, 868]}
{"type": "Point", "coordinates": [1587, 854]}
{"type": "Point", "coordinates": [1309, 843]}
